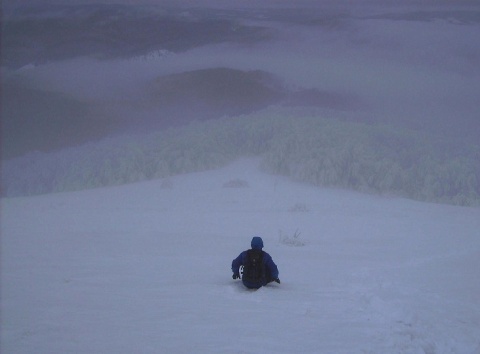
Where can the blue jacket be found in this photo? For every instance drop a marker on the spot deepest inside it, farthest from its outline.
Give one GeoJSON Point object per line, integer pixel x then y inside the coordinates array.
{"type": "Point", "coordinates": [270, 266]}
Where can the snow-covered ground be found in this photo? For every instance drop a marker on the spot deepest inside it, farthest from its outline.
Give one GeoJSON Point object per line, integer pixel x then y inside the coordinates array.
{"type": "Point", "coordinates": [145, 268]}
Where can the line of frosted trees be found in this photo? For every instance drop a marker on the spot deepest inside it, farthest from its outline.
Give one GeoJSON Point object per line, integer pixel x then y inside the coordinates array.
{"type": "Point", "coordinates": [308, 148]}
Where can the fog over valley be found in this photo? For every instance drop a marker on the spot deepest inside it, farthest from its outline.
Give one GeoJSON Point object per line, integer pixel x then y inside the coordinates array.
{"type": "Point", "coordinates": [399, 84]}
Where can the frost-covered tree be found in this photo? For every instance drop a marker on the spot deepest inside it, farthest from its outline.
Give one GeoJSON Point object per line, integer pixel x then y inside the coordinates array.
{"type": "Point", "coordinates": [311, 148]}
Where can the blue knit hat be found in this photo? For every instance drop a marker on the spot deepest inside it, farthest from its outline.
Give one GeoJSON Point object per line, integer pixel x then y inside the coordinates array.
{"type": "Point", "coordinates": [257, 243]}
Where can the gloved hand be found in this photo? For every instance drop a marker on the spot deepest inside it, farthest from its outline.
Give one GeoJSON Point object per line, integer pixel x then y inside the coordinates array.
{"type": "Point", "coordinates": [236, 276]}
{"type": "Point", "coordinates": [277, 281]}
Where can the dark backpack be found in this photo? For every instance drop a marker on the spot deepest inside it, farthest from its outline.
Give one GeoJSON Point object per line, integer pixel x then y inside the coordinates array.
{"type": "Point", "coordinates": [254, 269]}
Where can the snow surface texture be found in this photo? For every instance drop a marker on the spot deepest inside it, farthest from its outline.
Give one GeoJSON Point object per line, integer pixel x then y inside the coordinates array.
{"type": "Point", "coordinates": [145, 268]}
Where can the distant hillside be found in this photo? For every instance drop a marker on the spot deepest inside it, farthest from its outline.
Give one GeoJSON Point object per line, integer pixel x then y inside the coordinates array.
{"type": "Point", "coordinates": [50, 33]}
{"type": "Point", "coordinates": [43, 120]}
{"type": "Point", "coordinates": [36, 119]}
{"type": "Point", "coordinates": [213, 93]}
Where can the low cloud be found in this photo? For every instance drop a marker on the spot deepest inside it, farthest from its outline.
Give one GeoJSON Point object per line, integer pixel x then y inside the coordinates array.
{"type": "Point", "coordinates": [411, 66]}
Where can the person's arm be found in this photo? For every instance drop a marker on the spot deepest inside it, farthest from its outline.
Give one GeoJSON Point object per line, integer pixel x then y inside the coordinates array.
{"type": "Point", "coordinates": [272, 267]}
{"type": "Point", "coordinates": [236, 263]}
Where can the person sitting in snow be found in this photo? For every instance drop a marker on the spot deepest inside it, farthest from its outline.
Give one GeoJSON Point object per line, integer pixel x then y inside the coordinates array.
{"type": "Point", "coordinates": [258, 266]}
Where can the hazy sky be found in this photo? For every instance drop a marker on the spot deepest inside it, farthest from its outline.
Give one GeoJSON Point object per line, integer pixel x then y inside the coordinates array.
{"type": "Point", "coordinates": [249, 3]}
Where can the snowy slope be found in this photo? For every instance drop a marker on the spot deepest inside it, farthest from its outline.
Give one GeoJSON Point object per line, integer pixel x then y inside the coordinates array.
{"type": "Point", "coordinates": [145, 268]}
